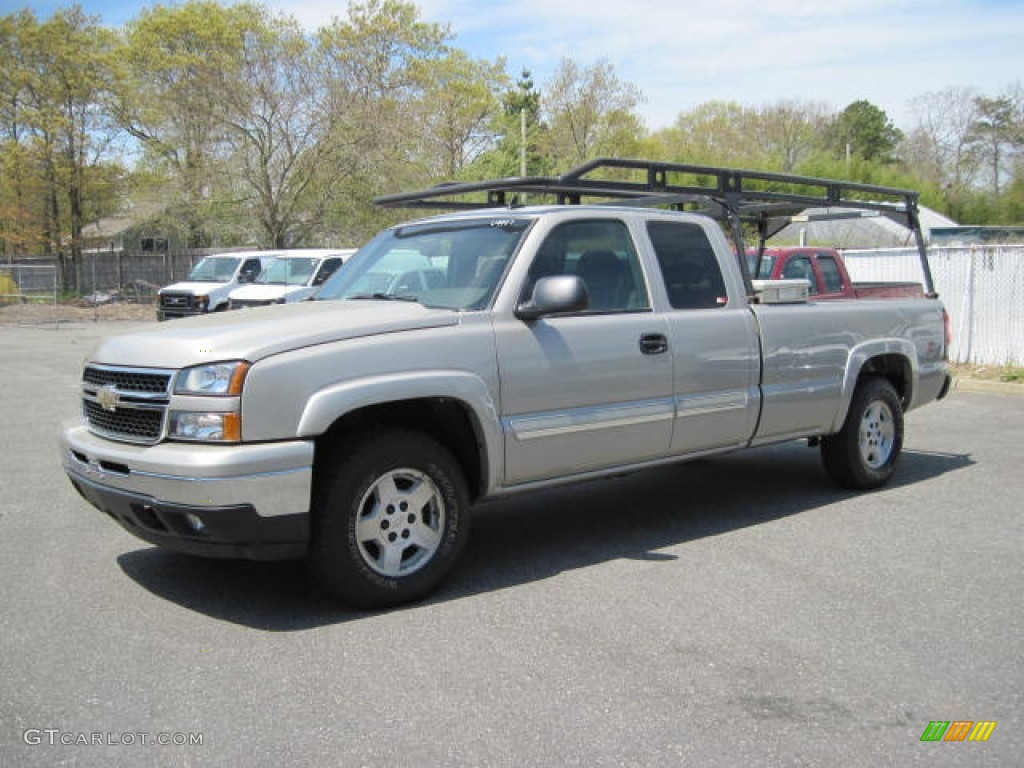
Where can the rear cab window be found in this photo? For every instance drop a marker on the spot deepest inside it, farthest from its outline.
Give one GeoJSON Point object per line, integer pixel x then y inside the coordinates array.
{"type": "Point", "coordinates": [689, 266]}
{"type": "Point", "coordinates": [832, 281]}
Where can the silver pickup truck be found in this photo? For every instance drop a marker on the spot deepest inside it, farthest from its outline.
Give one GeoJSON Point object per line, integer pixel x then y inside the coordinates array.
{"type": "Point", "coordinates": [479, 353]}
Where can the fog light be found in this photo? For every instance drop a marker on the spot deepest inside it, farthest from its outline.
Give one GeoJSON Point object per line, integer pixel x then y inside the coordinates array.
{"type": "Point", "coordinates": [195, 522]}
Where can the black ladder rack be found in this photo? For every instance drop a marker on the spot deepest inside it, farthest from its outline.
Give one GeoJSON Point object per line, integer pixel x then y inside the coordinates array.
{"type": "Point", "coordinates": [762, 199]}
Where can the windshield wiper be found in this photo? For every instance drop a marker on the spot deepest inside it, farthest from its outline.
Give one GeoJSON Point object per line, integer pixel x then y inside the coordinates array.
{"type": "Point", "coordinates": [384, 296]}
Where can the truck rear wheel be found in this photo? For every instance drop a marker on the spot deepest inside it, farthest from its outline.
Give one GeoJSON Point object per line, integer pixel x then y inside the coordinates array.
{"type": "Point", "coordinates": [863, 454]}
{"type": "Point", "coordinates": [390, 517]}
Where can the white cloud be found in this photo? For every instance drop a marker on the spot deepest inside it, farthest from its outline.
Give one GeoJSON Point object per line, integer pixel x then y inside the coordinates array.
{"type": "Point", "coordinates": [684, 53]}
{"type": "Point", "coordinates": [681, 53]}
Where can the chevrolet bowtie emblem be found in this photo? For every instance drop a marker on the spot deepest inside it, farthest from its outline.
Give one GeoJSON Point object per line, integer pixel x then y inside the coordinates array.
{"type": "Point", "coordinates": [107, 397]}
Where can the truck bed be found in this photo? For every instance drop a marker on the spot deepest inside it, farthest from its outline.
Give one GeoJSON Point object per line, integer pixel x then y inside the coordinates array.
{"type": "Point", "coordinates": [888, 290]}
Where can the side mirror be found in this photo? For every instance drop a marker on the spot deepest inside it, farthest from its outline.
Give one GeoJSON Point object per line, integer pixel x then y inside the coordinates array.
{"type": "Point", "coordinates": [555, 295]}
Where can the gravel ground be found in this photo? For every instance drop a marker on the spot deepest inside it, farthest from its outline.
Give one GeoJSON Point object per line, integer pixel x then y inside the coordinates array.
{"type": "Point", "coordinates": [48, 314]}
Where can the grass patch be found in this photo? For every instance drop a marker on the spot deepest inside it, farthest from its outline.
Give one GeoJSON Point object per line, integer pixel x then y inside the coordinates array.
{"type": "Point", "coordinates": [1009, 374]}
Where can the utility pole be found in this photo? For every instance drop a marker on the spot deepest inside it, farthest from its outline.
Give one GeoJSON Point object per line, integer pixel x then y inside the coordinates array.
{"type": "Point", "coordinates": [522, 142]}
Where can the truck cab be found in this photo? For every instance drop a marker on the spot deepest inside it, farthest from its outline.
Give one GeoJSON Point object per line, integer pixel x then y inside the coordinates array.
{"type": "Point", "coordinates": [825, 272]}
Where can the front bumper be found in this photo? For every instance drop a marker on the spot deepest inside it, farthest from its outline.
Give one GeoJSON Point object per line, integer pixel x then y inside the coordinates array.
{"type": "Point", "coordinates": [244, 501]}
{"type": "Point", "coordinates": [177, 312]}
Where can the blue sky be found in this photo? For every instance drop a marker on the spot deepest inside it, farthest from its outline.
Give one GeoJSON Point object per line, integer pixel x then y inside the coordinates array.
{"type": "Point", "coordinates": [681, 53]}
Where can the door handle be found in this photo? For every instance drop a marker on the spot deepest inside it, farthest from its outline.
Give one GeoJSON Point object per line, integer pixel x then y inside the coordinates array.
{"type": "Point", "coordinates": [653, 343]}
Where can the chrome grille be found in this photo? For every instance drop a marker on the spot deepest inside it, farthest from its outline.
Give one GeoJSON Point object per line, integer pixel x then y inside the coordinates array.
{"type": "Point", "coordinates": [128, 404]}
{"type": "Point", "coordinates": [175, 300]}
{"type": "Point", "coordinates": [132, 424]}
{"type": "Point", "coordinates": [127, 379]}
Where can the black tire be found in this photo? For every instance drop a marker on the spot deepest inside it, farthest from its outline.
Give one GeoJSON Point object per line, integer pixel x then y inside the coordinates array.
{"type": "Point", "coordinates": [863, 454]}
{"type": "Point", "coordinates": [390, 518]}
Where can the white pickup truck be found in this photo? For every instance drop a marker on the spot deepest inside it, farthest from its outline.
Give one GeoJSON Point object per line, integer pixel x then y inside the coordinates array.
{"type": "Point", "coordinates": [551, 343]}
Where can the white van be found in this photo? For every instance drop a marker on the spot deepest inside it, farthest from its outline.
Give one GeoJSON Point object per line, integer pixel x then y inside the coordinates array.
{"type": "Point", "coordinates": [208, 285]}
{"type": "Point", "coordinates": [292, 276]}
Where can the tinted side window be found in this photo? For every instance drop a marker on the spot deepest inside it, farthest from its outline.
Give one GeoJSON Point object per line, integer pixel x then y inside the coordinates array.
{"type": "Point", "coordinates": [688, 264]}
{"type": "Point", "coordinates": [830, 273]}
{"type": "Point", "coordinates": [326, 270]}
{"type": "Point", "coordinates": [250, 269]}
{"type": "Point", "coordinates": [602, 253]}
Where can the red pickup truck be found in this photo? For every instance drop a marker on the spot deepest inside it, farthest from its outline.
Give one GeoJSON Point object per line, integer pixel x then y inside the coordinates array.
{"type": "Point", "coordinates": [823, 268]}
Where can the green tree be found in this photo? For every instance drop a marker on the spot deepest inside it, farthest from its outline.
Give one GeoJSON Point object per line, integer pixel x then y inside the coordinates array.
{"type": "Point", "coordinates": [179, 66]}
{"type": "Point", "coordinates": [714, 133]}
{"type": "Point", "coordinates": [20, 229]}
{"type": "Point", "coordinates": [863, 130]}
{"type": "Point", "coordinates": [75, 52]}
{"type": "Point", "coordinates": [518, 131]}
{"type": "Point", "coordinates": [372, 64]}
{"type": "Point", "coordinates": [940, 150]}
{"type": "Point", "coordinates": [456, 110]}
{"type": "Point", "coordinates": [1012, 209]}
{"type": "Point", "coordinates": [771, 137]}
{"type": "Point", "coordinates": [787, 132]}
{"type": "Point", "coordinates": [590, 113]}
{"type": "Point", "coordinates": [56, 74]}
{"type": "Point", "coordinates": [997, 133]}
{"type": "Point", "coordinates": [278, 131]}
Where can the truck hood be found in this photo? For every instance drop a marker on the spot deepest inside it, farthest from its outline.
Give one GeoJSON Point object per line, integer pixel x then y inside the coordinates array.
{"type": "Point", "coordinates": [193, 288]}
{"type": "Point", "coordinates": [260, 332]}
{"type": "Point", "coordinates": [265, 292]}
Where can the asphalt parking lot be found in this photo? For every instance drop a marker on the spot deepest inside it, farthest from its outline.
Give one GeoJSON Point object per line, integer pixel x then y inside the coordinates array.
{"type": "Point", "coordinates": [739, 611]}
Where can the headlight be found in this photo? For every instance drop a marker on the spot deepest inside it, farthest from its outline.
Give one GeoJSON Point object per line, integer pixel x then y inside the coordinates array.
{"type": "Point", "coordinates": [202, 302]}
{"type": "Point", "coordinates": [215, 427]}
{"type": "Point", "coordinates": [216, 379]}
{"type": "Point", "coordinates": [208, 422]}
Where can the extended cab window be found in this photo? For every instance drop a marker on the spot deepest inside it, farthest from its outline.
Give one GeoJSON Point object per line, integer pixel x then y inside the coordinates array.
{"type": "Point", "coordinates": [830, 273]}
{"type": "Point", "coordinates": [688, 264]}
{"type": "Point", "coordinates": [602, 253]}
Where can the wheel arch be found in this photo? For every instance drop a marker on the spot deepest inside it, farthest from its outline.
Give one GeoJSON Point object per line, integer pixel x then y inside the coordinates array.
{"type": "Point", "coordinates": [893, 360]}
{"type": "Point", "coordinates": [458, 414]}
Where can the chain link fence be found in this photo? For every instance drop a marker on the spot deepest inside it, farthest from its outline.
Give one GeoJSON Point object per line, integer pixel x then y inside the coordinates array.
{"type": "Point", "coordinates": [28, 290]}
{"type": "Point", "coordinates": [981, 286]}
{"type": "Point", "coordinates": [113, 285]}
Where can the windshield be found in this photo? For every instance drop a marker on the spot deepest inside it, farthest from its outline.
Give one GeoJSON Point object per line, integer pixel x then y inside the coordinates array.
{"type": "Point", "coordinates": [213, 270]}
{"type": "Point", "coordinates": [288, 272]}
{"type": "Point", "coordinates": [449, 264]}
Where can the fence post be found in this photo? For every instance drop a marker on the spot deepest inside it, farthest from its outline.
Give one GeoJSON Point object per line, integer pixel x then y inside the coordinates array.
{"type": "Point", "coordinates": [969, 308]}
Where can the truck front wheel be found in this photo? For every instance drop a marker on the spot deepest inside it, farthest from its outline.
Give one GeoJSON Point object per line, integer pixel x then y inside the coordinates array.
{"type": "Point", "coordinates": [390, 517]}
{"type": "Point", "coordinates": [863, 454]}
